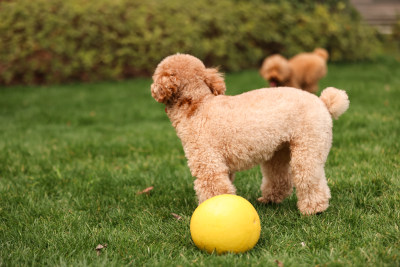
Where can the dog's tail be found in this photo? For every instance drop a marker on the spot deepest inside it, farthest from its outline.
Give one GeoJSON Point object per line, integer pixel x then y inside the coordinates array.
{"type": "Point", "coordinates": [335, 100]}
{"type": "Point", "coordinates": [322, 53]}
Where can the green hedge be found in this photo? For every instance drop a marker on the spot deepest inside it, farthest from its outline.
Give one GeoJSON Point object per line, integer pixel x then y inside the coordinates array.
{"type": "Point", "coordinates": [52, 41]}
{"type": "Point", "coordinates": [396, 32]}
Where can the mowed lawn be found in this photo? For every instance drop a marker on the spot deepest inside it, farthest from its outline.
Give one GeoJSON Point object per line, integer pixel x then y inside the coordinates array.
{"type": "Point", "coordinates": [74, 157]}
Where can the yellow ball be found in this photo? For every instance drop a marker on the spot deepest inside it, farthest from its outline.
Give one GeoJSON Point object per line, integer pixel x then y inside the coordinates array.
{"type": "Point", "coordinates": [225, 223]}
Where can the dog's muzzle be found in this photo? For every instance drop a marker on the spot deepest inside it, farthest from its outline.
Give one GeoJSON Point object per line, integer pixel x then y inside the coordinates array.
{"type": "Point", "coordinates": [273, 82]}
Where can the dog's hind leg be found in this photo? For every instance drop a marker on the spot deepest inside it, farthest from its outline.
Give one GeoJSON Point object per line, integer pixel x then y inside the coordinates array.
{"type": "Point", "coordinates": [307, 165]}
{"type": "Point", "coordinates": [277, 181]}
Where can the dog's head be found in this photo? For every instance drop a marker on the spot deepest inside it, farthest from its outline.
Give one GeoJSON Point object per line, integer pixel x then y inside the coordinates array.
{"type": "Point", "coordinates": [276, 70]}
{"type": "Point", "coordinates": [322, 53]}
{"type": "Point", "coordinates": [181, 75]}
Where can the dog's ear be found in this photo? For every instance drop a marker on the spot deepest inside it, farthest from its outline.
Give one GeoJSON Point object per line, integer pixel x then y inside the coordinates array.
{"type": "Point", "coordinates": [215, 81]}
{"type": "Point", "coordinates": [264, 71]}
{"type": "Point", "coordinates": [165, 85]}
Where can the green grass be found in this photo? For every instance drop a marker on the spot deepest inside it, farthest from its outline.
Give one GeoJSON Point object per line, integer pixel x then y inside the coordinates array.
{"type": "Point", "coordinates": [73, 157]}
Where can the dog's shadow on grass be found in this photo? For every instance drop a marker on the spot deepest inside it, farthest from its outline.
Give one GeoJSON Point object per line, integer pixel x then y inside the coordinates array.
{"type": "Point", "coordinates": [281, 209]}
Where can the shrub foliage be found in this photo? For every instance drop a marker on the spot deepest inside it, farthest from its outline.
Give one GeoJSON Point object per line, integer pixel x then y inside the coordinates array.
{"type": "Point", "coordinates": [396, 32]}
{"type": "Point", "coordinates": [56, 41]}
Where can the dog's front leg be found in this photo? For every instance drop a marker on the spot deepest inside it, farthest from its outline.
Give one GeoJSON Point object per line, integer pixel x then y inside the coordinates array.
{"type": "Point", "coordinates": [277, 178]}
{"type": "Point", "coordinates": [213, 184]}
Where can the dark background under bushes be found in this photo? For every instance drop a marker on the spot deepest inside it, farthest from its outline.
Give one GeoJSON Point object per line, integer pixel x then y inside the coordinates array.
{"type": "Point", "coordinates": [55, 41]}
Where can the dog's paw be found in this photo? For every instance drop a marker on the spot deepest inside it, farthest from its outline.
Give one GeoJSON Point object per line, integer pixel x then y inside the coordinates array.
{"type": "Point", "coordinates": [262, 200]}
{"type": "Point", "coordinates": [270, 199]}
{"type": "Point", "coordinates": [311, 208]}
{"type": "Point", "coordinates": [205, 189]}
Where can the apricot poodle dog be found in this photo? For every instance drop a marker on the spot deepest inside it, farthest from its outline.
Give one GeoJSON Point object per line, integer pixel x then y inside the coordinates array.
{"type": "Point", "coordinates": [285, 130]}
{"type": "Point", "coordinates": [302, 71]}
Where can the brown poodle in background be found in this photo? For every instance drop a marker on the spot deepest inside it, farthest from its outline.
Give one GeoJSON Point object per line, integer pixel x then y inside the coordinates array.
{"type": "Point", "coordinates": [302, 71]}
{"type": "Point", "coordinates": [285, 130]}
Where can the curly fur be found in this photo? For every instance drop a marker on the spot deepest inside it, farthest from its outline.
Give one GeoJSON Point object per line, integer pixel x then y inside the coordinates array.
{"type": "Point", "coordinates": [288, 132]}
{"type": "Point", "coordinates": [302, 71]}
